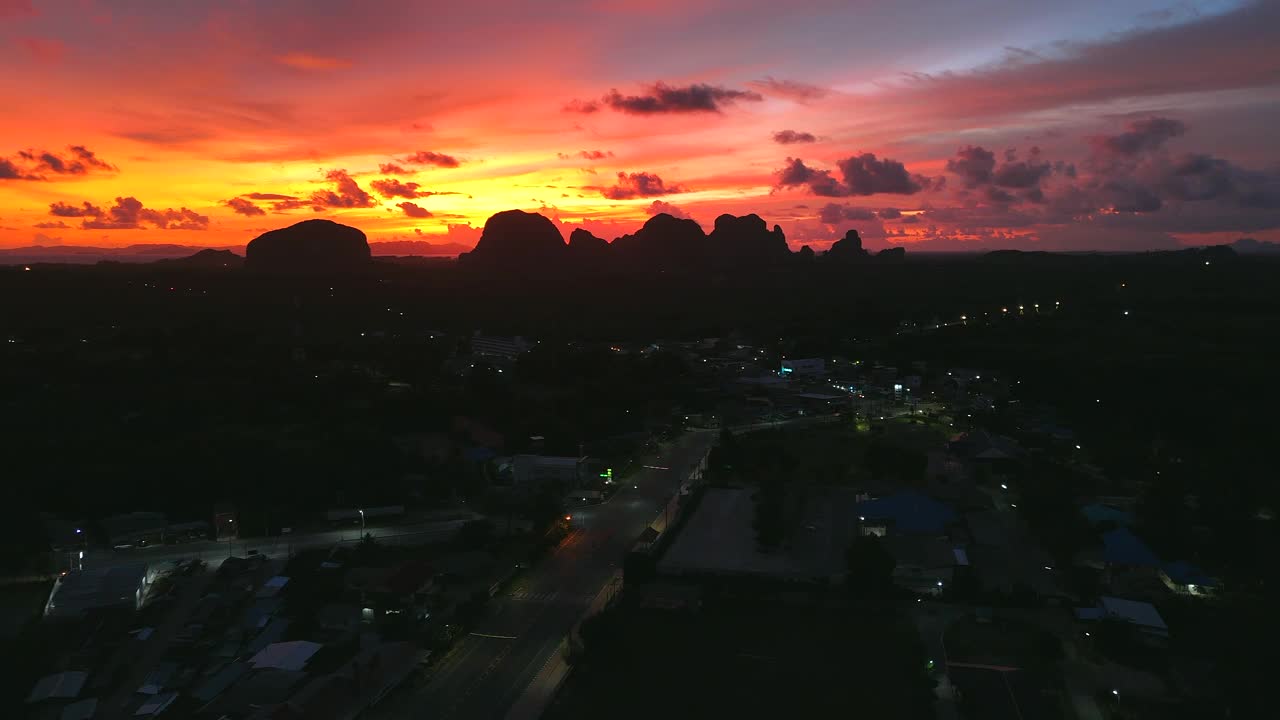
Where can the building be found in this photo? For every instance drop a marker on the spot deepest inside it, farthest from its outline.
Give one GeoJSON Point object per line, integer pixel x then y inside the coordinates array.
{"type": "Point", "coordinates": [498, 346]}
{"type": "Point", "coordinates": [136, 528]}
{"type": "Point", "coordinates": [803, 367]}
{"type": "Point", "coordinates": [907, 513]}
{"type": "Point", "coordinates": [1186, 579]}
{"type": "Point", "coordinates": [539, 470]}
{"type": "Point", "coordinates": [123, 587]}
{"type": "Point", "coordinates": [1141, 616]}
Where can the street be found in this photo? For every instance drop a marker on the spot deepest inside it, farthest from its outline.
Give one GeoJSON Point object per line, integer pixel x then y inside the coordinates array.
{"type": "Point", "coordinates": [488, 670]}
{"type": "Point", "coordinates": [213, 552]}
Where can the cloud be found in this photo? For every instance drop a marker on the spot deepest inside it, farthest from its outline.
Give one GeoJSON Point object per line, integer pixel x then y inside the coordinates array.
{"type": "Point", "coordinates": [834, 214]}
{"type": "Point", "coordinates": [393, 169]}
{"type": "Point", "coordinates": [862, 174]}
{"type": "Point", "coordinates": [1231, 50]}
{"type": "Point", "coordinates": [85, 209]}
{"type": "Point", "coordinates": [657, 207]}
{"type": "Point", "coordinates": [129, 214]}
{"type": "Point", "coordinates": [39, 164]}
{"type": "Point", "coordinates": [1142, 136]}
{"type": "Point", "coordinates": [890, 214]}
{"type": "Point", "coordinates": [414, 210]}
{"type": "Point", "coordinates": [348, 193]}
{"type": "Point", "coordinates": [390, 188]}
{"type": "Point", "coordinates": [792, 137]}
{"type": "Point", "coordinates": [1022, 174]}
{"type": "Point", "coordinates": [587, 155]}
{"type": "Point", "coordinates": [269, 196]}
{"type": "Point", "coordinates": [819, 182]}
{"type": "Point", "coordinates": [56, 225]}
{"type": "Point", "coordinates": [865, 175]}
{"type": "Point", "coordinates": [169, 219]}
{"type": "Point", "coordinates": [973, 164]}
{"type": "Point", "coordinates": [307, 61]}
{"type": "Point", "coordinates": [428, 157]}
{"type": "Point", "coordinates": [662, 98]}
{"type": "Point", "coordinates": [641, 184]}
{"type": "Point", "coordinates": [244, 207]}
{"type": "Point", "coordinates": [790, 89]}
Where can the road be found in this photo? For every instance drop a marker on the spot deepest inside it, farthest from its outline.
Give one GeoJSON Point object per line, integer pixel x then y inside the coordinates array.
{"type": "Point", "coordinates": [486, 671]}
{"type": "Point", "coordinates": [213, 553]}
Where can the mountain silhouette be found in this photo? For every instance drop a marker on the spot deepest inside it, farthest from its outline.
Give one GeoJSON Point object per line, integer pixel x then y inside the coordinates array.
{"type": "Point", "coordinates": [746, 240]}
{"type": "Point", "coordinates": [515, 239]}
{"type": "Point", "coordinates": [663, 242]}
{"type": "Point", "coordinates": [209, 258]}
{"type": "Point", "coordinates": [848, 249]}
{"type": "Point", "coordinates": [585, 248]}
{"type": "Point", "coordinates": [309, 246]}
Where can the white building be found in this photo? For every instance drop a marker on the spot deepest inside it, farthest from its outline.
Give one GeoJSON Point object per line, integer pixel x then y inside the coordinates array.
{"type": "Point", "coordinates": [803, 367]}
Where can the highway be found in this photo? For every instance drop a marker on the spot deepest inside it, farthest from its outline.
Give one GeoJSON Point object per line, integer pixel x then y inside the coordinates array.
{"type": "Point", "coordinates": [486, 671]}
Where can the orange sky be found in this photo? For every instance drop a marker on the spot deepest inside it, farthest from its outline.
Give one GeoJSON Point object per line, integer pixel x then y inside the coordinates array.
{"type": "Point", "coordinates": [168, 120]}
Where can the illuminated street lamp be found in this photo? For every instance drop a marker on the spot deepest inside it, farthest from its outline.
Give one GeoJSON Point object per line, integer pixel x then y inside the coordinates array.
{"type": "Point", "coordinates": [361, 521]}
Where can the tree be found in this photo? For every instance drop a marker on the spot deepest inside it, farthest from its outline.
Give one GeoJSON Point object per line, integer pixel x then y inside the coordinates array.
{"type": "Point", "coordinates": [870, 569]}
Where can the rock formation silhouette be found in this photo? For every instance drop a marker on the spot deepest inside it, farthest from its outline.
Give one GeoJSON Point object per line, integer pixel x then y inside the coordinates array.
{"type": "Point", "coordinates": [515, 239]}
{"type": "Point", "coordinates": [309, 246]}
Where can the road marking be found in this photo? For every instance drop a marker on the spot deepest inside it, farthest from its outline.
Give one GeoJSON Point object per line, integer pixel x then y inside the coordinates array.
{"type": "Point", "coordinates": [657, 467]}
{"type": "Point", "coordinates": [495, 637]}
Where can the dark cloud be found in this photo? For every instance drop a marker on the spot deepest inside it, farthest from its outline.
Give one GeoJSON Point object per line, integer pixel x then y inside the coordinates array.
{"type": "Point", "coordinates": [663, 98]}
{"type": "Point", "coordinates": [790, 89]}
{"type": "Point", "coordinates": [1022, 174]}
{"type": "Point", "coordinates": [594, 154]}
{"type": "Point", "coordinates": [1142, 136]}
{"type": "Point", "coordinates": [39, 164]}
{"type": "Point", "coordinates": [269, 196]}
{"type": "Point", "coordinates": [973, 164]}
{"type": "Point", "coordinates": [792, 137]}
{"type": "Point", "coordinates": [129, 214]}
{"type": "Point", "coordinates": [865, 175]}
{"type": "Point", "coordinates": [181, 219]}
{"type": "Point", "coordinates": [993, 194]}
{"type": "Point", "coordinates": [414, 210]}
{"type": "Point", "coordinates": [428, 157]}
{"type": "Point", "coordinates": [347, 193]}
{"type": "Point", "coordinates": [244, 207]}
{"type": "Point", "coordinates": [85, 209]}
{"type": "Point", "coordinates": [657, 207]}
{"type": "Point", "coordinates": [389, 188]}
{"type": "Point", "coordinates": [393, 169]}
{"type": "Point", "coordinates": [819, 182]}
{"type": "Point", "coordinates": [641, 184]}
{"type": "Point", "coordinates": [834, 214]}
{"type": "Point", "coordinates": [890, 214]}
{"type": "Point", "coordinates": [56, 225]}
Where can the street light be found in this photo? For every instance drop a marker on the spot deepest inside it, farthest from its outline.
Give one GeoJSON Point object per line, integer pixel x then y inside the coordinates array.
{"type": "Point", "coordinates": [361, 522]}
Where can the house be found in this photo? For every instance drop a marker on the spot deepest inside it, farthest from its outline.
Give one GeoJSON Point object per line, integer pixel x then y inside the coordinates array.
{"type": "Point", "coordinates": [1141, 615]}
{"type": "Point", "coordinates": [907, 512]}
{"type": "Point", "coordinates": [354, 688]}
{"type": "Point", "coordinates": [58, 686]}
{"type": "Point", "coordinates": [292, 656]}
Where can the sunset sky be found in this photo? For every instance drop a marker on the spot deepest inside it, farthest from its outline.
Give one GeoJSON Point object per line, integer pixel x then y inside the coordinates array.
{"type": "Point", "coordinates": [1094, 124]}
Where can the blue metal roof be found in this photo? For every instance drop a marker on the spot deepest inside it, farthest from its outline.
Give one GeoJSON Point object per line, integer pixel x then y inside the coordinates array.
{"type": "Point", "coordinates": [1122, 547]}
{"type": "Point", "coordinates": [1099, 513]}
{"type": "Point", "coordinates": [910, 512]}
{"type": "Point", "coordinates": [1185, 573]}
